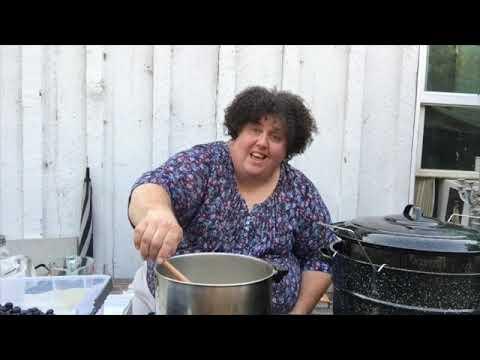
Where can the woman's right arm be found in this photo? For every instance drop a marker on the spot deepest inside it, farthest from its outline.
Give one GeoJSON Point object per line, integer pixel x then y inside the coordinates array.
{"type": "Point", "coordinates": [157, 232]}
{"type": "Point", "coordinates": [166, 199]}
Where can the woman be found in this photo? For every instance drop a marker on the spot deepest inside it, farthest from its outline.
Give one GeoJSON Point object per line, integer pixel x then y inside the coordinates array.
{"type": "Point", "coordinates": [240, 196]}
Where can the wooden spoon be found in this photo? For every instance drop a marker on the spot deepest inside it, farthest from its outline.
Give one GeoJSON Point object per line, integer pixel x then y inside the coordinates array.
{"type": "Point", "coordinates": [176, 274]}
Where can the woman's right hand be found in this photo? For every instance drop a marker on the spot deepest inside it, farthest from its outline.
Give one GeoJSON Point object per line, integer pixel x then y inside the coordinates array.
{"type": "Point", "coordinates": [158, 234]}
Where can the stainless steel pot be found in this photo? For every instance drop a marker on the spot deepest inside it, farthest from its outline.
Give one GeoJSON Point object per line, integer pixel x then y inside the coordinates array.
{"type": "Point", "coordinates": [222, 284]}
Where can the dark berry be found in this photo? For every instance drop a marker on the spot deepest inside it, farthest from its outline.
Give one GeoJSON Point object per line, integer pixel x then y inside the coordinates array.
{"type": "Point", "coordinates": [16, 310]}
{"type": "Point", "coordinates": [8, 305]}
{"type": "Point", "coordinates": [151, 313]}
{"type": "Point", "coordinates": [49, 312]}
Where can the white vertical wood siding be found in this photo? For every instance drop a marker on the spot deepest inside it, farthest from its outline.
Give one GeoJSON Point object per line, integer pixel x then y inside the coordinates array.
{"type": "Point", "coordinates": [387, 129]}
{"type": "Point", "coordinates": [31, 148]}
{"type": "Point", "coordinates": [122, 110]}
{"type": "Point", "coordinates": [96, 154]}
{"type": "Point", "coordinates": [11, 162]}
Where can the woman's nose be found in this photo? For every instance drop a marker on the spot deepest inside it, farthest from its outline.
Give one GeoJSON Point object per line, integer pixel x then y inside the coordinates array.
{"type": "Point", "coordinates": [262, 140]}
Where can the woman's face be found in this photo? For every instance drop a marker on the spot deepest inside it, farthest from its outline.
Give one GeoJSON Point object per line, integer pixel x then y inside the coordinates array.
{"type": "Point", "coordinates": [260, 148]}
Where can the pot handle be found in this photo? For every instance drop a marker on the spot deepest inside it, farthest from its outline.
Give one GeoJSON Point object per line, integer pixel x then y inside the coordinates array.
{"type": "Point", "coordinates": [417, 212]}
{"type": "Point", "coordinates": [334, 228]}
{"type": "Point", "coordinates": [326, 255]}
{"type": "Point", "coordinates": [279, 274]}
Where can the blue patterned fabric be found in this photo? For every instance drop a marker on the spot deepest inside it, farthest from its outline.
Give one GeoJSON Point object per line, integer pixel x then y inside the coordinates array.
{"type": "Point", "coordinates": [214, 217]}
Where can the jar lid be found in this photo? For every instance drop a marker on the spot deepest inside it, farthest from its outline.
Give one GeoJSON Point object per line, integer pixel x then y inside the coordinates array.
{"type": "Point", "coordinates": [411, 230]}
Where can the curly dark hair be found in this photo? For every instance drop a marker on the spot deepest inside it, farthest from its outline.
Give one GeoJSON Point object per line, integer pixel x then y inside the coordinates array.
{"type": "Point", "coordinates": [253, 103]}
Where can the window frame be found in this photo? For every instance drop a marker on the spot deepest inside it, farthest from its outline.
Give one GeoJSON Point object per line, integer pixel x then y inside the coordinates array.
{"type": "Point", "coordinates": [436, 98]}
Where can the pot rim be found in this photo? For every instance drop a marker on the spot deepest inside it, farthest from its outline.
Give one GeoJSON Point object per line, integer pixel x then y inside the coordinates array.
{"type": "Point", "coordinates": [432, 252]}
{"type": "Point", "coordinates": [274, 271]}
{"type": "Point", "coordinates": [417, 233]}
{"type": "Point", "coordinates": [395, 269]}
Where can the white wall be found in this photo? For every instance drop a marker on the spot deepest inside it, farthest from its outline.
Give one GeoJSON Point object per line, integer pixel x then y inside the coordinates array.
{"type": "Point", "coordinates": [124, 109]}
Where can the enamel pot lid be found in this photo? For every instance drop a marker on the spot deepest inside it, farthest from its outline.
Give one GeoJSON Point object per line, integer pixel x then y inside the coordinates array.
{"type": "Point", "coordinates": [412, 231]}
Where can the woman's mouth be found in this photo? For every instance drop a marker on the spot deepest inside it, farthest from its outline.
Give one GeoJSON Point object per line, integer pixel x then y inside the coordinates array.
{"type": "Point", "coordinates": [257, 156]}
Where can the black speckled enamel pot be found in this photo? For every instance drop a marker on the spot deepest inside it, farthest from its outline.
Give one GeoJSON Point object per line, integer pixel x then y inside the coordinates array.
{"type": "Point", "coordinates": [361, 287]}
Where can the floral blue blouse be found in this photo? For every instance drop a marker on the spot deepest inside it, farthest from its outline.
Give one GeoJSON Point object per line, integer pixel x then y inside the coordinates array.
{"type": "Point", "coordinates": [214, 217]}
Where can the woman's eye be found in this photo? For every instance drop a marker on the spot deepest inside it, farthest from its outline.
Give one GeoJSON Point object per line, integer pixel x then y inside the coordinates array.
{"type": "Point", "coordinates": [256, 130]}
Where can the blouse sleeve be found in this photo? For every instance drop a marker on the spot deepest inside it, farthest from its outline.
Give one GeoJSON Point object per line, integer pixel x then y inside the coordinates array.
{"type": "Point", "coordinates": [184, 176]}
{"type": "Point", "coordinates": [312, 236]}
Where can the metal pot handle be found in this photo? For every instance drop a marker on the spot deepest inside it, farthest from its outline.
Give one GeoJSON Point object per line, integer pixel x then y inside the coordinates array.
{"type": "Point", "coordinates": [326, 255]}
{"type": "Point", "coordinates": [278, 274]}
{"type": "Point", "coordinates": [330, 226]}
{"type": "Point", "coordinates": [336, 227]}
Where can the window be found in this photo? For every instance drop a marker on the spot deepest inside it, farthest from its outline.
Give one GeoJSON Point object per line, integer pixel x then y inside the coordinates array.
{"type": "Point", "coordinates": [448, 111]}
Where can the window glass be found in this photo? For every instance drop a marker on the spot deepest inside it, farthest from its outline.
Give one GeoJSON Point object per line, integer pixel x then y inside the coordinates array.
{"type": "Point", "coordinates": [451, 138]}
{"type": "Point", "coordinates": [454, 68]}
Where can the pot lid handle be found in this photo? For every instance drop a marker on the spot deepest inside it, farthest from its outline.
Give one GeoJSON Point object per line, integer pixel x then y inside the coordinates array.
{"type": "Point", "coordinates": [417, 212]}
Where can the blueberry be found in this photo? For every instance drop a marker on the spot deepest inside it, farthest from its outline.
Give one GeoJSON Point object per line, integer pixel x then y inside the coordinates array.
{"type": "Point", "coordinates": [49, 312]}
{"type": "Point", "coordinates": [8, 305]}
{"type": "Point", "coordinates": [151, 313]}
{"type": "Point", "coordinates": [16, 310]}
